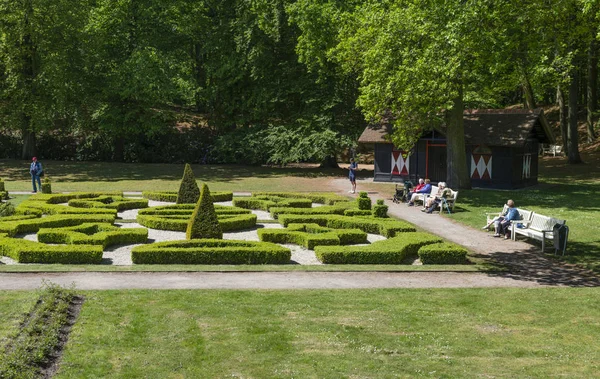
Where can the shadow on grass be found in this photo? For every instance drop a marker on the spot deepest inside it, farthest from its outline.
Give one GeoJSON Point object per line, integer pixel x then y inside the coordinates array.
{"type": "Point", "coordinates": [531, 265]}
{"type": "Point", "coordinates": [110, 171]}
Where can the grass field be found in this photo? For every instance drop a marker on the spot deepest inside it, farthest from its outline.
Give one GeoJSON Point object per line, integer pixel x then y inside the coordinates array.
{"type": "Point", "coordinates": [336, 334]}
{"type": "Point", "coordinates": [13, 305]}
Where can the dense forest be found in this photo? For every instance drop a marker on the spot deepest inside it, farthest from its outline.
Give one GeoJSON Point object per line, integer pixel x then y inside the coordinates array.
{"type": "Point", "coordinates": [278, 81]}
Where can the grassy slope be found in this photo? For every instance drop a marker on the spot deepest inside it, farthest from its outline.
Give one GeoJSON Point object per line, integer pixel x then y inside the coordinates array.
{"type": "Point", "coordinates": [13, 305]}
{"type": "Point", "coordinates": [334, 334]}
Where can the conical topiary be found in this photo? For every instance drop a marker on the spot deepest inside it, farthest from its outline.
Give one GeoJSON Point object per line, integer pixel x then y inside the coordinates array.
{"type": "Point", "coordinates": [204, 222]}
{"type": "Point", "coordinates": [188, 189]}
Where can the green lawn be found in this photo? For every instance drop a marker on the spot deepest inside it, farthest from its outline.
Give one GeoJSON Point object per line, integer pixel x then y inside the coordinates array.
{"type": "Point", "coordinates": [336, 334]}
{"type": "Point", "coordinates": [13, 306]}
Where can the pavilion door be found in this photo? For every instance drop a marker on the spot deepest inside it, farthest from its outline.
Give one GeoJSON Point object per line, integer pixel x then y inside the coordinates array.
{"type": "Point", "coordinates": [436, 163]}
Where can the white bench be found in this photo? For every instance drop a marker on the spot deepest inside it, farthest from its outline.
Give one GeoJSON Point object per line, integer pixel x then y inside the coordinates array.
{"type": "Point", "coordinates": [423, 196]}
{"type": "Point", "coordinates": [551, 150]}
{"type": "Point", "coordinates": [538, 227]}
{"type": "Point", "coordinates": [448, 203]}
{"type": "Point", "coordinates": [524, 216]}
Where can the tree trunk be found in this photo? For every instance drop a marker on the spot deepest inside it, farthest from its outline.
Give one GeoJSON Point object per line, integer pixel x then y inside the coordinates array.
{"type": "Point", "coordinates": [528, 92]}
{"type": "Point", "coordinates": [573, 134]}
{"type": "Point", "coordinates": [329, 162]}
{"type": "Point", "coordinates": [199, 77]}
{"type": "Point", "coordinates": [29, 142]}
{"type": "Point", "coordinates": [119, 151]}
{"type": "Point", "coordinates": [457, 174]}
{"type": "Point", "coordinates": [592, 90]}
{"type": "Point", "coordinates": [562, 106]}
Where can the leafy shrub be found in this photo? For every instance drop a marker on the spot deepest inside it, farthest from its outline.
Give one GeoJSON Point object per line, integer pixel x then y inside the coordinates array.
{"type": "Point", "coordinates": [443, 253]}
{"type": "Point", "coordinates": [204, 222]}
{"type": "Point", "coordinates": [267, 202]}
{"type": "Point", "coordinates": [118, 203]}
{"type": "Point", "coordinates": [364, 201]}
{"type": "Point", "coordinates": [176, 217]}
{"type": "Point", "coordinates": [210, 251]}
{"type": "Point", "coordinates": [2, 189]}
{"type": "Point", "coordinates": [3, 195]}
{"type": "Point", "coordinates": [188, 189]}
{"type": "Point", "coordinates": [171, 197]}
{"type": "Point", "coordinates": [65, 197]}
{"type": "Point", "coordinates": [25, 251]}
{"type": "Point", "coordinates": [93, 234]}
{"type": "Point", "coordinates": [6, 209]}
{"type": "Point", "coordinates": [326, 198]}
{"type": "Point", "coordinates": [31, 206]}
{"type": "Point", "coordinates": [311, 235]}
{"type": "Point", "coordinates": [46, 185]}
{"type": "Point", "coordinates": [380, 210]}
{"type": "Point", "coordinates": [384, 227]}
{"type": "Point", "coordinates": [357, 212]}
{"type": "Point", "coordinates": [338, 208]}
{"type": "Point", "coordinates": [391, 251]}
{"type": "Point", "coordinates": [15, 227]}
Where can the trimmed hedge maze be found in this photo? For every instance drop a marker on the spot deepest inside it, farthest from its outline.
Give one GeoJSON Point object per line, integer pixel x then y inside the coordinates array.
{"type": "Point", "coordinates": [176, 217]}
{"type": "Point", "coordinates": [337, 231]}
{"type": "Point", "coordinates": [211, 251]}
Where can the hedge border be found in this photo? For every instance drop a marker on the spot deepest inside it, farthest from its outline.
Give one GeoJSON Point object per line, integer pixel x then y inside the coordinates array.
{"type": "Point", "coordinates": [25, 251]}
{"type": "Point", "coordinates": [93, 234]}
{"type": "Point", "coordinates": [311, 235]}
{"type": "Point", "coordinates": [443, 253]}
{"type": "Point", "coordinates": [171, 197]}
{"type": "Point", "coordinates": [118, 203]}
{"type": "Point", "coordinates": [385, 227]}
{"type": "Point", "coordinates": [13, 228]}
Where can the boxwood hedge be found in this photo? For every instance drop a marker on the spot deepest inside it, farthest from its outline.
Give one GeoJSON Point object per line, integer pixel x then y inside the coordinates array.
{"type": "Point", "coordinates": [24, 251]}
{"type": "Point", "coordinates": [188, 188]}
{"type": "Point", "coordinates": [311, 235]}
{"type": "Point", "coordinates": [384, 227]}
{"type": "Point", "coordinates": [204, 222]}
{"type": "Point", "coordinates": [93, 234]}
{"type": "Point", "coordinates": [391, 251]}
{"type": "Point", "coordinates": [60, 198]}
{"type": "Point", "coordinates": [13, 228]}
{"type": "Point", "coordinates": [171, 197]}
{"type": "Point", "coordinates": [443, 253]}
{"type": "Point", "coordinates": [31, 206]}
{"type": "Point", "coordinates": [210, 251]}
{"type": "Point", "coordinates": [267, 202]}
{"type": "Point", "coordinates": [118, 203]}
{"type": "Point", "coordinates": [327, 198]}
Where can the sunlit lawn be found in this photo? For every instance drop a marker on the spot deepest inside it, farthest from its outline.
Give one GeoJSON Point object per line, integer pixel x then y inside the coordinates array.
{"type": "Point", "coordinates": [13, 306]}
{"type": "Point", "coordinates": [336, 334]}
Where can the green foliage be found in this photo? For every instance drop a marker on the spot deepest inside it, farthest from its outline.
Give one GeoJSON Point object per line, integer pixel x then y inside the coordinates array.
{"type": "Point", "coordinates": [391, 251]}
{"type": "Point", "coordinates": [311, 235]}
{"type": "Point", "coordinates": [46, 185]}
{"type": "Point", "coordinates": [357, 212]}
{"type": "Point", "coordinates": [380, 209]}
{"type": "Point", "coordinates": [13, 228]}
{"type": "Point", "coordinates": [443, 253]}
{"type": "Point", "coordinates": [363, 201]}
{"type": "Point", "coordinates": [25, 251]}
{"type": "Point", "coordinates": [210, 251]}
{"type": "Point", "coordinates": [315, 197]}
{"type": "Point", "coordinates": [177, 217]}
{"type": "Point", "coordinates": [267, 202]}
{"type": "Point", "coordinates": [204, 222]}
{"type": "Point", "coordinates": [93, 234]}
{"type": "Point", "coordinates": [338, 208]}
{"type": "Point", "coordinates": [6, 210]}
{"type": "Point", "coordinates": [2, 186]}
{"type": "Point", "coordinates": [384, 227]}
{"type": "Point", "coordinates": [172, 196]}
{"type": "Point", "coordinates": [109, 202]}
{"type": "Point", "coordinates": [32, 206]}
{"type": "Point", "coordinates": [188, 189]}
{"type": "Point", "coordinates": [32, 347]}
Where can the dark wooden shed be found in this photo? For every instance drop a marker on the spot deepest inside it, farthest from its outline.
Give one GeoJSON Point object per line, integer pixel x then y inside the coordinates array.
{"type": "Point", "coordinates": [502, 150]}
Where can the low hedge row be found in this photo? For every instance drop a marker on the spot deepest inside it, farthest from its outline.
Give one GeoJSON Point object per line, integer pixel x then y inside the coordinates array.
{"type": "Point", "coordinates": [18, 217]}
{"type": "Point", "coordinates": [357, 212]}
{"type": "Point", "coordinates": [171, 197]}
{"type": "Point", "coordinates": [311, 235]}
{"type": "Point", "coordinates": [443, 253]}
{"type": "Point", "coordinates": [188, 209]}
{"type": "Point", "coordinates": [265, 203]}
{"type": "Point", "coordinates": [3, 195]}
{"type": "Point", "coordinates": [179, 223]}
{"type": "Point", "coordinates": [385, 227]}
{"type": "Point", "coordinates": [25, 251]}
{"type": "Point", "coordinates": [59, 198]}
{"type": "Point", "coordinates": [13, 228]}
{"type": "Point", "coordinates": [338, 208]}
{"type": "Point", "coordinates": [210, 251]}
{"type": "Point", "coordinates": [118, 203]}
{"type": "Point", "coordinates": [327, 198]}
{"type": "Point", "coordinates": [93, 234]}
{"type": "Point", "coordinates": [391, 251]}
{"type": "Point", "coordinates": [32, 206]}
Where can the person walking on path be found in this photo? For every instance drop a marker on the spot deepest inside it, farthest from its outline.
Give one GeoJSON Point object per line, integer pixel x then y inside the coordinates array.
{"type": "Point", "coordinates": [352, 174]}
{"type": "Point", "coordinates": [36, 170]}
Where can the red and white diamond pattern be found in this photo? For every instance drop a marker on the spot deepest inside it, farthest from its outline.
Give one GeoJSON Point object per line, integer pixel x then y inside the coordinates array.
{"type": "Point", "coordinates": [481, 166]}
{"type": "Point", "coordinates": [400, 162]}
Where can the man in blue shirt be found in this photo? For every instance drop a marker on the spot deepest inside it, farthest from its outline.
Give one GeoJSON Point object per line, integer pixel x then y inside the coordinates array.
{"type": "Point", "coordinates": [502, 225]}
{"type": "Point", "coordinates": [426, 189]}
{"type": "Point", "coordinates": [36, 171]}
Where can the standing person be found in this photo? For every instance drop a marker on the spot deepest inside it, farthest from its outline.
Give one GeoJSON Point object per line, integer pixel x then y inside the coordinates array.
{"type": "Point", "coordinates": [352, 174]}
{"type": "Point", "coordinates": [36, 171]}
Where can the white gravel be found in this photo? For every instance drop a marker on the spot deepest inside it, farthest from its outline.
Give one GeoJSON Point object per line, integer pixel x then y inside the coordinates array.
{"type": "Point", "coordinates": [121, 255]}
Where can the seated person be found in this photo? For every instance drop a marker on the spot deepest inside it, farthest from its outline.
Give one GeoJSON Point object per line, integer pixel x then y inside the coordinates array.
{"type": "Point", "coordinates": [443, 193]}
{"type": "Point", "coordinates": [417, 188]}
{"type": "Point", "coordinates": [423, 191]}
{"type": "Point", "coordinates": [500, 216]}
{"type": "Point", "coordinates": [502, 225]}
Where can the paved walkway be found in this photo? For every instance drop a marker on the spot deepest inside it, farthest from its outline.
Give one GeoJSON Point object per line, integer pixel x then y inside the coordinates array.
{"type": "Point", "coordinates": [527, 267]}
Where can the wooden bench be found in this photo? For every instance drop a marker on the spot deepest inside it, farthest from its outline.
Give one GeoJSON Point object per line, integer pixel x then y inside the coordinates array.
{"type": "Point", "coordinates": [539, 227]}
